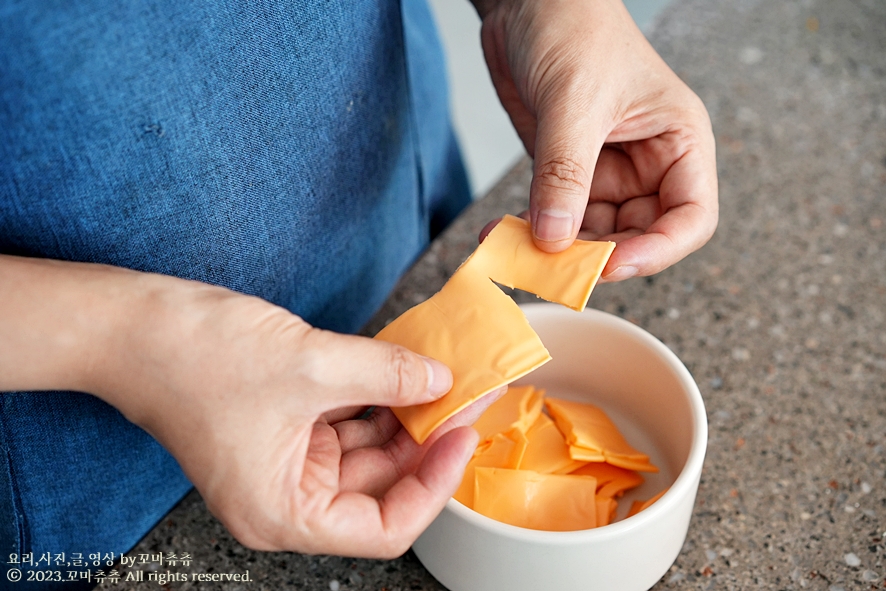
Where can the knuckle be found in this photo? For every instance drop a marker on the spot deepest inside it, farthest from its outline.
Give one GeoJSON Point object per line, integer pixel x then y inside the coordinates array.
{"type": "Point", "coordinates": [562, 173]}
{"type": "Point", "coordinates": [394, 547]}
{"type": "Point", "coordinates": [407, 377]}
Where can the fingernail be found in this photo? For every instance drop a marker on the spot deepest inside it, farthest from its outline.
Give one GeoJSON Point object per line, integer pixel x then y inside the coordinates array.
{"type": "Point", "coordinates": [439, 377]}
{"type": "Point", "coordinates": [622, 272]}
{"type": "Point", "coordinates": [552, 225]}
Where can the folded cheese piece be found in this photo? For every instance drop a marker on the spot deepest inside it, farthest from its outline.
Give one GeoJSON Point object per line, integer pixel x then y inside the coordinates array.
{"type": "Point", "coordinates": [507, 478]}
{"type": "Point", "coordinates": [612, 481]}
{"type": "Point", "coordinates": [504, 450]}
{"type": "Point", "coordinates": [587, 426]}
{"type": "Point", "coordinates": [518, 408]}
{"type": "Point", "coordinates": [582, 454]}
{"type": "Point", "coordinates": [593, 437]}
{"type": "Point", "coordinates": [566, 278]}
{"type": "Point", "coordinates": [631, 464]}
{"type": "Point", "coordinates": [638, 506]}
{"type": "Point", "coordinates": [478, 331]}
{"type": "Point", "coordinates": [606, 508]}
{"type": "Point", "coordinates": [546, 451]}
{"type": "Point", "coordinates": [550, 502]}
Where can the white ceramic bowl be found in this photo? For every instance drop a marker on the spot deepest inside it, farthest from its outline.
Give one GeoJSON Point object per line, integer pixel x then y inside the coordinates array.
{"type": "Point", "coordinates": [650, 395]}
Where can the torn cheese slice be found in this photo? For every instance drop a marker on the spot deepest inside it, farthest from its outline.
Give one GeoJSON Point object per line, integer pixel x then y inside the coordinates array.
{"type": "Point", "coordinates": [518, 408]}
{"type": "Point", "coordinates": [638, 506]}
{"type": "Point", "coordinates": [630, 464]}
{"type": "Point", "coordinates": [501, 451]}
{"type": "Point", "coordinates": [478, 331]}
{"type": "Point", "coordinates": [546, 451]}
{"type": "Point", "coordinates": [567, 278]}
{"type": "Point", "coordinates": [587, 426]}
{"type": "Point", "coordinates": [550, 502]}
{"type": "Point", "coordinates": [612, 481]}
{"type": "Point", "coordinates": [606, 507]}
{"type": "Point", "coordinates": [584, 454]}
{"type": "Point", "coordinates": [542, 450]}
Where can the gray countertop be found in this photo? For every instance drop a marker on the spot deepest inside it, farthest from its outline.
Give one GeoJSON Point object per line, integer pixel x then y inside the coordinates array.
{"type": "Point", "coordinates": [781, 318]}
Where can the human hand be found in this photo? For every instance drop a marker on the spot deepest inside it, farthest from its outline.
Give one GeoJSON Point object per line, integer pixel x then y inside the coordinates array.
{"type": "Point", "coordinates": [258, 409]}
{"type": "Point", "coordinates": [623, 150]}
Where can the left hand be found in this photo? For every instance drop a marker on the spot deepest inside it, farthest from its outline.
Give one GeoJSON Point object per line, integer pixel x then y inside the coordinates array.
{"type": "Point", "coordinates": [376, 451]}
{"type": "Point", "coordinates": [623, 149]}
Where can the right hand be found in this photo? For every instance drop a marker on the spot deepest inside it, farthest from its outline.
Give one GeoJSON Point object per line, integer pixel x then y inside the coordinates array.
{"type": "Point", "coordinates": [623, 150]}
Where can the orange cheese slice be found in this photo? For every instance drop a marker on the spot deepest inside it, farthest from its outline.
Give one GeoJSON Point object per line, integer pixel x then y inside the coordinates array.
{"type": "Point", "coordinates": [638, 506]}
{"type": "Point", "coordinates": [551, 502]}
{"type": "Point", "coordinates": [565, 278]}
{"type": "Point", "coordinates": [612, 481]}
{"type": "Point", "coordinates": [606, 507]}
{"type": "Point", "coordinates": [546, 450]}
{"type": "Point", "coordinates": [478, 331]}
{"type": "Point", "coordinates": [593, 437]}
{"type": "Point", "coordinates": [584, 454]}
{"type": "Point", "coordinates": [518, 408]}
{"type": "Point", "coordinates": [630, 464]}
{"type": "Point", "coordinates": [504, 450]}
{"type": "Point", "coordinates": [508, 469]}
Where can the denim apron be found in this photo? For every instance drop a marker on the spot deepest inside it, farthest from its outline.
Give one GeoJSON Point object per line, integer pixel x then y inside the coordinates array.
{"type": "Point", "coordinates": [298, 151]}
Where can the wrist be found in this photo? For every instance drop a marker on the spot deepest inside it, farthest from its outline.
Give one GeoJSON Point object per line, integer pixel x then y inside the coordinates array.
{"type": "Point", "coordinates": [140, 345]}
{"type": "Point", "coordinates": [81, 326]}
{"type": "Point", "coordinates": [52, 316]}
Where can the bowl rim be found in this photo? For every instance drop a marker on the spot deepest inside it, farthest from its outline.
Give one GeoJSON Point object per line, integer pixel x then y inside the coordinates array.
{"type": "Point", "coordinates": [684, 484]}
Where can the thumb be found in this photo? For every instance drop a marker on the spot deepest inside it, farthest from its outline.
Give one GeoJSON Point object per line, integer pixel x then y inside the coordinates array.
{"type": "Point", "coordinates": [568, 141]}
{"type": "Point", "coordinates": [359, 371]}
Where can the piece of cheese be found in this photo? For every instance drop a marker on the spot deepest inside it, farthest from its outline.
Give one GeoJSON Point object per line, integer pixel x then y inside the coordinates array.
{"type": "Point", "coordinates": [477, 330]}
{"type": "Point", "coordinates": [612, 481]}
{"type": "Point", "coordinates": [504, 450]}
{"type": "Point", "coordinates": [550, 502]}
{"type": "Point", "coordinates": [593, 437]}
{"type": "Point", "coordinates": [585, 455]}
{"type": "Point", "coordinates": [565, 278]}
{"type": "Point", "coordinates": [630, 464]}
{"type": "Point", "coordinates": [587, 426]}
{"type": "Point", "coordinates": [638, 506]}
{"type": "Point", "coordinates": [606, 507]}
{"type": "Point", "coordinates": [541, 451]}
{"type": "Point", "coordinates": [546, 451]}
{"type": "Point", "coordinates": [518, 408]}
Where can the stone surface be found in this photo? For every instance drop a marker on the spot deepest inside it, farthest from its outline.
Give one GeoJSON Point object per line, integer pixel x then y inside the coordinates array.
{"type": "Point", "coordinates": [781, 318]}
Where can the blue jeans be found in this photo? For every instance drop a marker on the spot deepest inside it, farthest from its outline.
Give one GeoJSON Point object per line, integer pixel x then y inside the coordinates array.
{"type": "Point", "coordinates": [298, 151]}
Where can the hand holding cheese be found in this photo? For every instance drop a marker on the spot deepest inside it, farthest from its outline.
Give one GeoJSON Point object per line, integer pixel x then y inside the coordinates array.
{"type": "Point", "coordinates": [257, 406]}
{"type": "Point", "coordinates": [623, 150]}
{"type": "Point", "coordinates": [261, 410]}
{"type": "Point", "coordinates": [478, 331]}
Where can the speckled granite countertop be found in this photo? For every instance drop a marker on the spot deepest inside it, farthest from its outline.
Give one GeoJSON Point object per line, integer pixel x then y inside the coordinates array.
{"type": "Point", "coordinates": [781, 318]}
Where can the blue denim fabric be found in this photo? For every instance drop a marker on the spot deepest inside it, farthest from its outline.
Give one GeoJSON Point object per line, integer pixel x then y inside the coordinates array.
{"type": "Point", "coordinates": [299, 151]}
